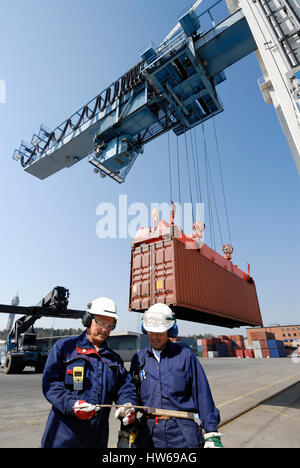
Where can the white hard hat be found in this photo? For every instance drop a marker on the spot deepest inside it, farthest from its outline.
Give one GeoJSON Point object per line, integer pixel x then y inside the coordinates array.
{"type": "Point", "coordinates": [158, 318]}
{"type": "Point", "coordinates": [103, 306]}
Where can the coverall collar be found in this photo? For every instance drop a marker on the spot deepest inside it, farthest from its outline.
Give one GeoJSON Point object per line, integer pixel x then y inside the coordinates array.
{"type": "Point", "coordinates": [168, 350]}
{"type": "Point", "coordinates": [86, 346]}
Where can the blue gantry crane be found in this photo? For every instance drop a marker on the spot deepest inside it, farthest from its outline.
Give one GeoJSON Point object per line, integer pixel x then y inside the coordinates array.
{"type": "Point", "coordinates": [173, 87]}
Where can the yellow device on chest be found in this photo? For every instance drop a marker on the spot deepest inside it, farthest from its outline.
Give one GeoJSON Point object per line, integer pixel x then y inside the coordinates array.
{"type": "Point", "coordinates": [78, 374]}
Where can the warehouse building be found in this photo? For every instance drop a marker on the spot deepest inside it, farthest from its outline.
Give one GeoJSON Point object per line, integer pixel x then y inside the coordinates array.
{"type": "Point", "coordinates": [126, 344]}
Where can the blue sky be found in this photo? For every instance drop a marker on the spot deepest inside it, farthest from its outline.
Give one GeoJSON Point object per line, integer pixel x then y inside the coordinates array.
{"type": "Point", "coordinates": [55, 57]}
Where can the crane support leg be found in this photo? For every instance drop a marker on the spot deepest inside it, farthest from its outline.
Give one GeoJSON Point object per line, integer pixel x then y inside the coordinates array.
{"type": "Point", "coordinates": [275, 25]}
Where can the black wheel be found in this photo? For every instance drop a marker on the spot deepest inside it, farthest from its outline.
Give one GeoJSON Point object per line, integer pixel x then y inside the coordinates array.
{"type": "Point", "coordinates": [13, 364]}
{"type": "Point", "coordinates": [39, 367]}
{"type": "Point", "coordinates": [21, 366]}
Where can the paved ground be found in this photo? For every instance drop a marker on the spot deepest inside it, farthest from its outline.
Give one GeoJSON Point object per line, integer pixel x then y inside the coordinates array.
{"type": "Point", "coordinates": [272, 424]}
{"type": "Point", "coordinates": [237, 385]}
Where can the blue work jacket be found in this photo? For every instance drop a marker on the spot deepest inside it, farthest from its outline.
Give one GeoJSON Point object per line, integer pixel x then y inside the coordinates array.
{"type": "Point", "coordinates": [177, 382]}
{"type": "Point", "coordinates": [105, 381]}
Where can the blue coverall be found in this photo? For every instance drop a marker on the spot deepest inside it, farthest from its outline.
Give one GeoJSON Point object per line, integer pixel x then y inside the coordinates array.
{"type": "Point", "coordinates": [105, 381]}
{"type": "Point", "coordinates": [177, 382]}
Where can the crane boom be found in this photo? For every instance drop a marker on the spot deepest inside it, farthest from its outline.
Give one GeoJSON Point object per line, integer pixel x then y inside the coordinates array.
{"type": "Point", "coordinates": [172, 88]}
{"type": "Point", "coordinates": [178, 25]}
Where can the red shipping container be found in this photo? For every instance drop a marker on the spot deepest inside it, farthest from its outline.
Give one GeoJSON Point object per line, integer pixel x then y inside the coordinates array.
{"type": "Point", "coordinates": [240, 346]}
{"type": "Point", "coordinates": [239, 353]}
{"type": "Point", "coordinates": [216, 340]}
{"type": "Point", "coordinates": [265, 352]}
{"type": "Point", "coordinates": [237, 347]}
{"type": "Point", "coordinates": [239, 340]}
{"type": "Point", "coordinates": [208, 347]}
{"type": "Point", "coordinates": [206, 341]}
{"type": "Point", "coordinates": [263, 344]}
{"type": "Point", "coordinates": [236, 337]}
{"type": "Point", "coordinates": [199, 288]}
{"type": "Point", "coordinates": [249, 353]}
{"type": "Point", "coordinates": [229, 345]}
{"type": "Point", "coordinates": [254, 335]}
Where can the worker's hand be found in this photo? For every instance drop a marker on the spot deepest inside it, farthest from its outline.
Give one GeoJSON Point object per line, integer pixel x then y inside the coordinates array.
{"type": "Point", "coordinates": [213, 440]}
{"type": "Point", "coordinates": [84, 410]}
{"type": "Point", "coordinates": [126, 413]}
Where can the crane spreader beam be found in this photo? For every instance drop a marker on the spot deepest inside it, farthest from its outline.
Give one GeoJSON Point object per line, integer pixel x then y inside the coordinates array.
{"type": "Point", "coordinates": [55, 305]}
{"type": "Point", "coordinates": [172, 88]}
{"type": "Point", "coordinates": [39, 312]}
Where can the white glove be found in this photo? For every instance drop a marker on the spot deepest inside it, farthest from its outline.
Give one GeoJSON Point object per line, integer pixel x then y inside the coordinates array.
{"type": "Point", "coordinates": [126, 413]}
{"type": "Point", "coordinates": [213, 440]}
{"type": "Point", "coordinates": [84, 410]}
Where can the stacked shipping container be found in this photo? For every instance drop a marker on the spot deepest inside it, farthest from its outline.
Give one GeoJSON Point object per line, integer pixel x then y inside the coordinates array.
{"type": "Point", "coordinates": [223, 346]}
{"type": "Point", "coordinates": [268, 348]}
{"type": "Point", "coordinates": [254, 335]}
{"type": "Point", "coordinates": [206, 347]}
{"type": "Point", "coordinates": [236, 345]}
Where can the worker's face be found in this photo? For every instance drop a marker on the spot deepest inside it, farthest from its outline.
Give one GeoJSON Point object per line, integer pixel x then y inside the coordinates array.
{"type": "Point", "coordinates": [100, 329]}
{"type": "Point", "coordinates": [158, 341]}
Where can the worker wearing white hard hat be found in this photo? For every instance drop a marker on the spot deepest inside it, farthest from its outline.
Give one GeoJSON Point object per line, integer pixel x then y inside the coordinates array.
{"type": "Point", "coordinates": [100, 319]}
{"type": "Point", "coordinates": [81, 373]}
{"type": "Point", "coordinates": [169, 376]}
{"type": "Point", "coordinates": [159, 318]}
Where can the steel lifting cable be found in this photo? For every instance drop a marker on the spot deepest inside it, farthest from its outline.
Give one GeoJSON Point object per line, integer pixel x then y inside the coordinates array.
{"type": "Point", "coordinates": [170, 168]}
{"type": "Point", "coordinates": [188, 166]}
{"type": "Point", "coordinates": [210, 180]}
{"type": "Point", "coordinates": [197, 163]}
{"type": "Point", "coordinates": [222, 182]}
{"type": "Point", "coordinates": [194, 165]}
{"type": "Point", "coordinates": [179, 184]}
{"type": "Point", "coordinates": [189, 176]}
{"type": "Point", "coordinates": [178, 170]}
{"type": "Point", "coordinates": [214, 199]}
{"type": "Point", "coordinates": [196, 172]}
{"type": "Point", "coordinates": [199, 178]}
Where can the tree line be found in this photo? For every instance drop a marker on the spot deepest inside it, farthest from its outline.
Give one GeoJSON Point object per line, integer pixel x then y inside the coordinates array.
{"type": "Point", "coordinates": [50, 332]}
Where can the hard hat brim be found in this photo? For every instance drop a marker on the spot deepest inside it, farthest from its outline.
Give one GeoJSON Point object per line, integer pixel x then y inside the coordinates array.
{"type": "Point", "coordinates": [158, 328]}
{"type": "Point", "coordinates": [106, 313]}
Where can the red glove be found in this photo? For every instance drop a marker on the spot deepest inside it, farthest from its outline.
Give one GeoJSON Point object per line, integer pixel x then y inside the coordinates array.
{"type": "Point", "coordinates": [84, 410]}
{"type": "Point", "coordinates": [126, 413]}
